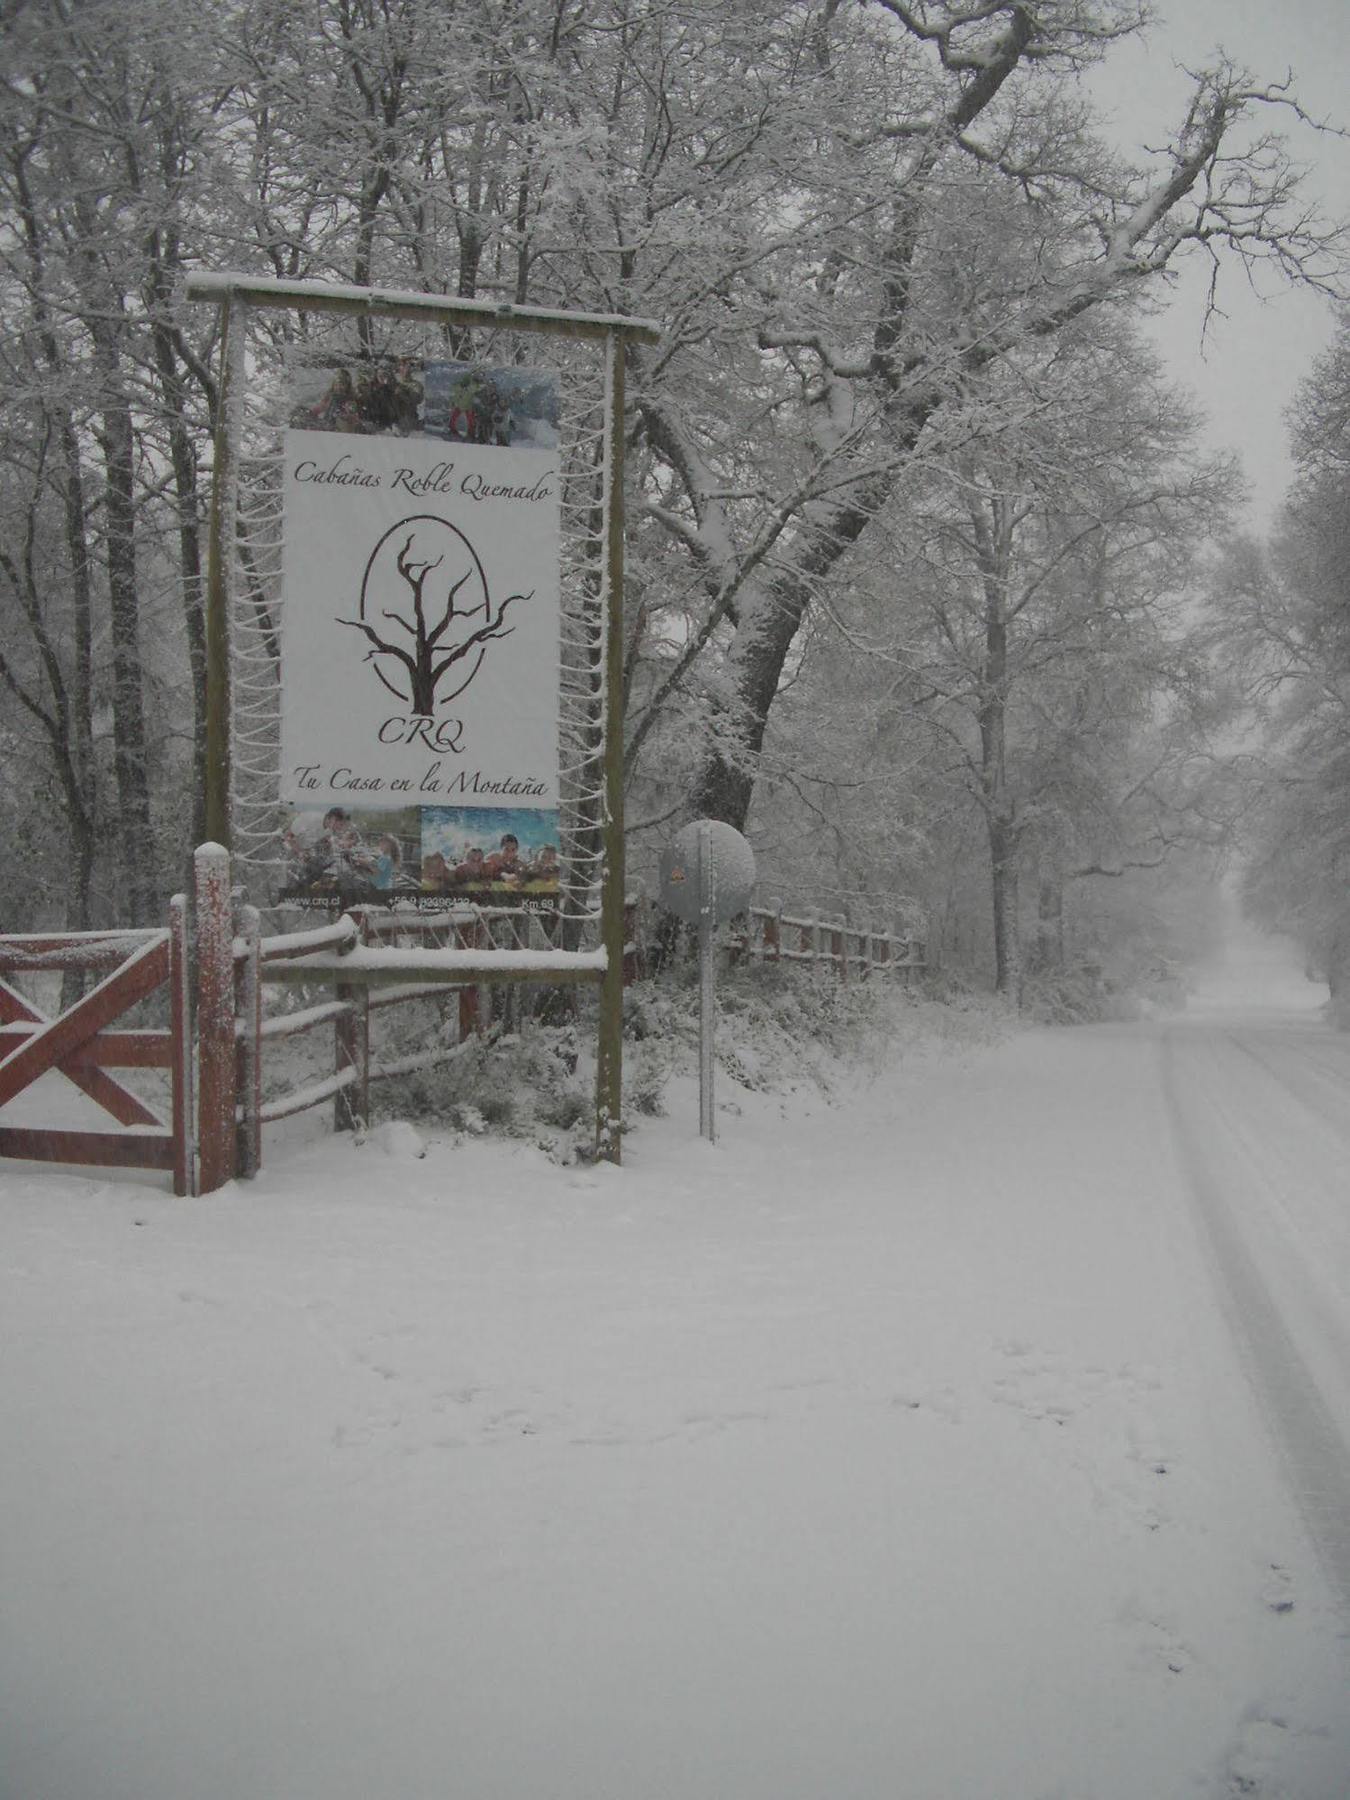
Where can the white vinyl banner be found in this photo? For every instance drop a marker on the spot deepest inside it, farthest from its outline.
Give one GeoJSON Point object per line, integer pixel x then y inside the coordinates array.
{"type": "Point", "coordinates": [420, 636]}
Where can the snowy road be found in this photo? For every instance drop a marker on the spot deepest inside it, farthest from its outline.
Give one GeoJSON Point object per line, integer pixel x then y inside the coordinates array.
{"type": "Point", "coordinates": [1261, 1112]}
{"type": "Point", "coordinates": [983, 1437]}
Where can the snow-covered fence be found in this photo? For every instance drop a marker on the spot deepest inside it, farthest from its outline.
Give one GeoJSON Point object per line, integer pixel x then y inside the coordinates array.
{"type": "Point", "coordinates": [417, 943]}
{"type": "Point", "coordinates": [375, 960]}
{"type": "Point", "coordinates": [79, 1045]}
{"type": "Point", "coordinates": [770, 934]}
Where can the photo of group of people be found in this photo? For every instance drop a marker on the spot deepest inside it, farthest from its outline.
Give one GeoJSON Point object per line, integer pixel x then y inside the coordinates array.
{"type": "Point", "coordinates": [467, 403]}
{"type": "Point", "coordinates": [380, 399]}
{"type": "Point", "coordinates": [471, 404]}
{"type": "Point", "coordinates": [422, 856]}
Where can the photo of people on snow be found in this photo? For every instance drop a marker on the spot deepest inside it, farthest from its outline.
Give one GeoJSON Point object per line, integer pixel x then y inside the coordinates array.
{"type": "Point", "coordinates": [473, 404]}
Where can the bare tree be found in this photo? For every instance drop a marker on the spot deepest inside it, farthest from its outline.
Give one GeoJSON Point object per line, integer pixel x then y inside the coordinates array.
{"type": "Point", "coordinates": [914, 301]}
{"type": "Point", "coordinates": [426, 659]}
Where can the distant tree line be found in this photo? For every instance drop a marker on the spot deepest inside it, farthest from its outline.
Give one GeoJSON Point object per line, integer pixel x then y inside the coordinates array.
{"type": "Point", "coordinates": [1284, 607]}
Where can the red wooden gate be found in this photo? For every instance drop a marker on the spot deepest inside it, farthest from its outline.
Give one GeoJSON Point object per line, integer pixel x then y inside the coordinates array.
{"type": "Point", "coordinates": [79, 1045]}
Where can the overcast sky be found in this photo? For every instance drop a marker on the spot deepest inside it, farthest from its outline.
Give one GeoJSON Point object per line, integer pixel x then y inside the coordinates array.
{"type": "Point", "coordinates": [1245, 372]}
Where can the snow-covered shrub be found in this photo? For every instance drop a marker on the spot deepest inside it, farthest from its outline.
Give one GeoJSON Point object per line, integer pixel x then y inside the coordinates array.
{"type": "Point", "coordinates": [526, 1084]}
{"type": "Point", "coordinates": [779, 1027]}
{"type": "Point", "coordinates": [1128, 988]}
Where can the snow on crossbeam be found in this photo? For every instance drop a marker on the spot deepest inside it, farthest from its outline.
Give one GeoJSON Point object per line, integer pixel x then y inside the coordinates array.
{"type": "Point", "coordinates": [376, 963]}
{"type": "Point", "coordinates": [318, 938]}
{"type": "Point", "coordinates": [328, 296]}
{"type": "Point", "coordinates": [92, 951]}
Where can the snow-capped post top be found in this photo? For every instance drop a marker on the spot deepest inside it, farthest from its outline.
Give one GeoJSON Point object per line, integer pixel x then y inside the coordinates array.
{"type": "Point", "coordinates": [733, 872]}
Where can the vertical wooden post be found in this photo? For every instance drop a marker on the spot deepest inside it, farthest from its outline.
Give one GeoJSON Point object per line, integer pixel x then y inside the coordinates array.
{"type": "Point", "coordinates": [773, 935]}
{"type": "Point", "coordinates": [609, 1057]}
{"type": "Point", "coordinates": [466, 937]}
{"type": "Point", "coordinates": [220, 550]}
{"type": "Point", "coordinates": [351, 1046]}
{"type": "Point", "coordinates": [248, 1156]}
{"type": "Point", "coordinates": [215, 1018]}
{"type": "Point", "coordinates": [180, 1033]}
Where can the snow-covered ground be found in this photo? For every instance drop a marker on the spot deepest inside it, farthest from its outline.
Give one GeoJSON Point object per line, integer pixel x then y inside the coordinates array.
{"type": "Point", "coordinates": [982, 1436]}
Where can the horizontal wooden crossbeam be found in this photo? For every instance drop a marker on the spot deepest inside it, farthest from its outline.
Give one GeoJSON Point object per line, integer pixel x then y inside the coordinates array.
{"type": "Point", "coordinates": [148, 1049]}
{"type": "Point", "coordinates": [93, 952]}
{"type": "Point", "coordinates": [327, 296]}
{"type": "Point", "coordinates": [374, 965]}
{"type": "Point", "coordinates": [103, 1149]}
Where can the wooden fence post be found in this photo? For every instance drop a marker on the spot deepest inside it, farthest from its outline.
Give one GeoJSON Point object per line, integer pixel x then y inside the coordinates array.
{"type": "Point", "coordinates": [839, 946]}
{"type": "Point", "coordinates": [773, 934]}
{"type": "Point", "coordinates": [466, 937]}
{"type": "Point", "coordinates": [351, 1035]}
{"type": "Point", "coordinates": [215, 1018]}
{"type": "Point", "coordinates": [180, 1032]}
{"type": "Point", "coordinates": [249, 1051]}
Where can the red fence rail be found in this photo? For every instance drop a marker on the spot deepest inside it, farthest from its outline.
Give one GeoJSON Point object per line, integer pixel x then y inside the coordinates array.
{"type": "Point", "coordinates": [79, 1045]}
{"type": "Point", "coordinates": [769, 934]}
{"type": "Point", "coordinates": [827, 940]}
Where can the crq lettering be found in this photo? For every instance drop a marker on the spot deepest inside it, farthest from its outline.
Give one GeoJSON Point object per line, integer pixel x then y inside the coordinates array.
{"type": "Point", "coordinates": [420, 728]}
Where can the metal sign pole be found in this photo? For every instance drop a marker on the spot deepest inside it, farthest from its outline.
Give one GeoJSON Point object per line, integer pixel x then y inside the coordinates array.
{"type": "Point", "coordinates": [609, 1057]}
{"type": "Point", "coordinates": [723, 866]}
{"type": "Point", "coordinates": [707, 946]}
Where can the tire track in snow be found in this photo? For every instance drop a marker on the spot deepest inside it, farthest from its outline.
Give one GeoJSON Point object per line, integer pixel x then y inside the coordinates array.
{"type": "Point", "coordinates": [1312, 1080]}
{"type": "Point", "coordinates": [1315, 1455]}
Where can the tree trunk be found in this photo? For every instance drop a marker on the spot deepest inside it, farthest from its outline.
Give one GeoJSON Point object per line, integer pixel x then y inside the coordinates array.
{"type": "Point", "coordinates": [1049, 957]}
{"type": "Point", "coordinates": [134, 831]}
{"type": "Point", "coordinates": [183, 458]}
{"type": "Point", "coordinates": [993, 538]}
{"type": "Point", "coordinates": [1003, 856]}
{"type": "Point", "coordinates": [727, 783]}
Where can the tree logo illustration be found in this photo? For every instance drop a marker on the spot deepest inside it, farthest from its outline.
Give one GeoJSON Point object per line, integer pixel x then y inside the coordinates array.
{"type": "Point", "coordinates": [426, 612]}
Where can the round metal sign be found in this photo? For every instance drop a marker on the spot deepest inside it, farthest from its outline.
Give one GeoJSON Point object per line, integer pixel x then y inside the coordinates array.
{"type": "Point", "coordinates": [731, 872]}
